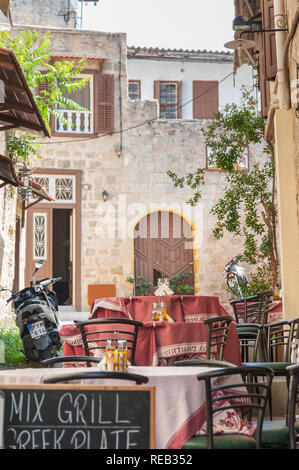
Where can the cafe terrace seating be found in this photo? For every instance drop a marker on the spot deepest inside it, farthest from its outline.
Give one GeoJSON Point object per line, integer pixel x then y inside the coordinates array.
{"type": "Point", "coordinates": [237, 397]}
{"type": "Point", "coordinates": [97, 331]}
{"type": "Point", "coordinates": [281, 349]}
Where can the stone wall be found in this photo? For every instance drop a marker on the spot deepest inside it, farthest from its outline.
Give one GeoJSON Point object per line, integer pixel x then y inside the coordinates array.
{"type": "Point", "coordinates": [131, 166]}
{"type": "Point", "coordinates": [58, 13]}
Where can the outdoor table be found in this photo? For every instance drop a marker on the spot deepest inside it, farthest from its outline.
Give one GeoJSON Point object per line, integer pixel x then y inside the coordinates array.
{"type": "Point", "coordinates": [180, 398]}
{"type": "Point", "coordinates": [161, 343]}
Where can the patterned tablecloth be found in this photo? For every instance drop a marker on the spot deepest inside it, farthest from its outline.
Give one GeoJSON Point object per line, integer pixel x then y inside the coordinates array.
{"type": "Point", "coordinates": [162, 343]}
{"type": "Point", "coordinates": [180, 399]}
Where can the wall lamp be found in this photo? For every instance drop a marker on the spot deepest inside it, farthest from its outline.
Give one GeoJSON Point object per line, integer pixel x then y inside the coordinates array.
{"type": "Point", "coordinates": [104, 195]}
{"type": "Point", "coordinates": [252, 25]}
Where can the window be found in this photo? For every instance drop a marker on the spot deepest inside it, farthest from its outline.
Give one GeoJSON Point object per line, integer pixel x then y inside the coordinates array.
{"type": "Point", "coordinates": [241, 165]}
{"type": "Point", "coordinates": [134, 89]}
{"type": "Point", "coordinates": [205, 99]}
{"type": "Point", "coordinates": [98, 99]}
{"type": "Point", "coordinates": [169, 96]}
{"type": "Point", "coordinates": [79, 122]}
{"type": "Point", "coordinates": [61, 187]}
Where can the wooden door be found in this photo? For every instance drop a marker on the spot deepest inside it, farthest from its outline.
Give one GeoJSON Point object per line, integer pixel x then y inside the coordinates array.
{"type": "Point", "coordinates": [163, 244]}
{"type": "Point", "coordinates": [39, 243]}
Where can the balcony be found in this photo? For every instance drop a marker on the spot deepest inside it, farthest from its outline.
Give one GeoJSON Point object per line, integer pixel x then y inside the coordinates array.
{"type": "Point", "coordinates": [74, 122]}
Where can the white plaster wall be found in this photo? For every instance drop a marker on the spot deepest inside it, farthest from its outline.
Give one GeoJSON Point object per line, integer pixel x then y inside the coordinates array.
{"type": "Point", "coordinates": [149, 70]}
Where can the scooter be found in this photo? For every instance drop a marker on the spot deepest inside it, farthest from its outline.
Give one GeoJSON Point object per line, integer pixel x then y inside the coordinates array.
{"type": "Point", "coordinates": [36, 309]}
{"type": "Point", "coordinates": [235, 276]}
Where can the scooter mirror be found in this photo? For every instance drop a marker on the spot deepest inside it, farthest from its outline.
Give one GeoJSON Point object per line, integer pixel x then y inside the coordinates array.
{"type": "Point", "coordinates": [39, 264]}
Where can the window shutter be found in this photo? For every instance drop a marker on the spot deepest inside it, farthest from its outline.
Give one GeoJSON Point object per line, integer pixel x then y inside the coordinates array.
{"type": "Point", "coordinates": [205, 99]}
{"type": "Point", "coordinates": [179, 110]}
{"type": "Point", "coordinates": [157, 92]}
{"type": "Point", "coordinates": [104, 103]}
{"type": "Point", "coordinates": [269, 44]}
{"type": "Point", "coordinates": [39, 89]}
{"type": "Point", "coordinates": [264, 87]}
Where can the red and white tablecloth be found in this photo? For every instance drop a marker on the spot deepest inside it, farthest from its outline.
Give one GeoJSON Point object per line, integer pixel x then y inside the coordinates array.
{"type": "Point", "coordinates": [180, 400]}
{"type": "Point", "coordinates": [161, 343]}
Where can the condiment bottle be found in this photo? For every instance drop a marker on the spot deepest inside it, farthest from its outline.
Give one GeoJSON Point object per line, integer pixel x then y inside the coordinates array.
{"type": "Point", "coordinates": [122, 355]}
{"type": "Point", "coordinates": [163, 312]}
{"type": "Point", "coordinates": [110, 354]}
{"type": "Point", "coordinates": [155, 312]}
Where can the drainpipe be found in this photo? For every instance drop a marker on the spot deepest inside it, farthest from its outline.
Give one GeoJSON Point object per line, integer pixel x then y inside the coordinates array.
{"type": "Point", "coordinates": [283, 89]}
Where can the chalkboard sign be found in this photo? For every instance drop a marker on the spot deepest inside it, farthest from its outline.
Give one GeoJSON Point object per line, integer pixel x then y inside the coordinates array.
{"type": "Point", "coordinates": [76, 417]}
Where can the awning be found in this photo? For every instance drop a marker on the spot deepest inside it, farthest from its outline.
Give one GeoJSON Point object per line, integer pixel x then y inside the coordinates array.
{"type": "Point", "coordinates": [17, 106]}
{"type": "Point", "coordinates": [8, 176]}
{"type": "Point", "coordinates": [4, 7]}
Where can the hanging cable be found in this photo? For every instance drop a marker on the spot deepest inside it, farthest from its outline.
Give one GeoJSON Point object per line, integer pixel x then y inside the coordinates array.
{"type": "Point", "coordinates": [148, 121]}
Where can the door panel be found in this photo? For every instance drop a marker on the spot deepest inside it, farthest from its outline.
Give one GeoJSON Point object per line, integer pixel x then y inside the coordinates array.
{"type": "Point", "coordinates": [163, 243]}
{"type": "Point", "coordinates": [39, 243]}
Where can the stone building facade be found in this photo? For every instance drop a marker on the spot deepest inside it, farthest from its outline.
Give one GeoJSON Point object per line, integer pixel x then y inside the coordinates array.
{"type": "Point", "coordinates": [107, 181]}
{"type": "Point", "coordinates": [275, 54]}
{"type": "Point", "coordinates": [130, 165]}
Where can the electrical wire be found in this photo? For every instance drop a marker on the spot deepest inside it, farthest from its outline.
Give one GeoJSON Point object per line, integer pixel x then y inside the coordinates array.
{"type": "Point", "coordinates": [148, 121]}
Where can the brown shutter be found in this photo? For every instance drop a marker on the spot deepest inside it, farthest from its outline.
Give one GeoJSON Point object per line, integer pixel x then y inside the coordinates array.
{"type": "Point", "coordinates": [179, 110]}
{"type": "Point", "coordinates": [264, 87]}
{"type": "Point", "coordinates": [157, 92]}
{"type": "Point", "coordinates": [41, 87]}
{"type": "Point", "coordinates": [205, 99]}
{"type": "Point", "coordinates": [104, 103]}
{"type": "Point", "coordinates": [269, 44]}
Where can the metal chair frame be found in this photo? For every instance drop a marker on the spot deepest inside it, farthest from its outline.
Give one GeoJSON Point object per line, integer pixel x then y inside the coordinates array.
{"type": "Point", "coordinates": [293, 403]}
{"type": "Point", "coordinates": [218, 328]}
{"type": "Point", "coordinates": [138, 379]}
{"type": "Point", "coordinates": [131, 336]}
{"type": "Point", "coordinates": [256, 390]}
{"type": "Point", "coordinates": [253, 309]}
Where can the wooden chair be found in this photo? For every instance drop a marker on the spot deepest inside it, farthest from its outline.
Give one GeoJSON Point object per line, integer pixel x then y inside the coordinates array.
{"type": "Point", "coordinates": [252, 384]}
{"type": "Point", "coordinates": [109, 328]}
{"type": "Point", "coordinates": [138, 379]}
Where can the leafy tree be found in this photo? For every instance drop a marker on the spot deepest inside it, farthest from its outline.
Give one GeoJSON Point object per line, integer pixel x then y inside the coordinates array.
{"type": "Point", "coordinates": [49, 82]}
{"type": "Point", "coordinates": [247, 207]}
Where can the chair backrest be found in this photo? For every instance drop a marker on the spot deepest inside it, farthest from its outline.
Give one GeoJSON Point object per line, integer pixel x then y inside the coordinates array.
{"type": "Point", "coordinates": [203, 363]}
{"type": "Point", "coordinates": [293, 403]}
{"type": "Point", "coordinates": [253, 309]}
{"type": "Point", "coordinates": [244, 390]}
{"type": "Point", "coordinates": [83, 375]}
{"type": "Point", "coordinates": [294, 340]}
{"type": "Point", "coordinates": [251, 342]}
{"type": "Point", "coordinates": [96, 332]}
{"type": "Point", "coordinates": [218, 328]}
{"type": "Point", "coordinates": [278, 341]}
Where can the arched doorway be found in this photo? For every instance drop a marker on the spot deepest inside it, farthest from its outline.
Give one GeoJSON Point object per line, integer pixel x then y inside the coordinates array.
{"type": "Point", "coordinates": [163, 244]}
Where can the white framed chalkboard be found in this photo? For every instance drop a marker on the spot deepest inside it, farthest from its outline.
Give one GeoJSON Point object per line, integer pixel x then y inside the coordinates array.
{"type": "Point", "coordinates": [77, 417]}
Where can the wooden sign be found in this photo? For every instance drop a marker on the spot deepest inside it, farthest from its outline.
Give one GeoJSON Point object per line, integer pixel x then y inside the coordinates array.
{"type": "Point", "coordinates": [76, 417]}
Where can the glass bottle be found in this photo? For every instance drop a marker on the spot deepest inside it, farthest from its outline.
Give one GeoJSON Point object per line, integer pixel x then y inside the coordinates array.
{"type": "Point", "coordinates": [110, 354]}
{"type": "Point", "coordinates": [155, 312]}
{"type": "Point", "coordinates": [163, 312]}
{"type": "Point", "coordinates": [122, 355]}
